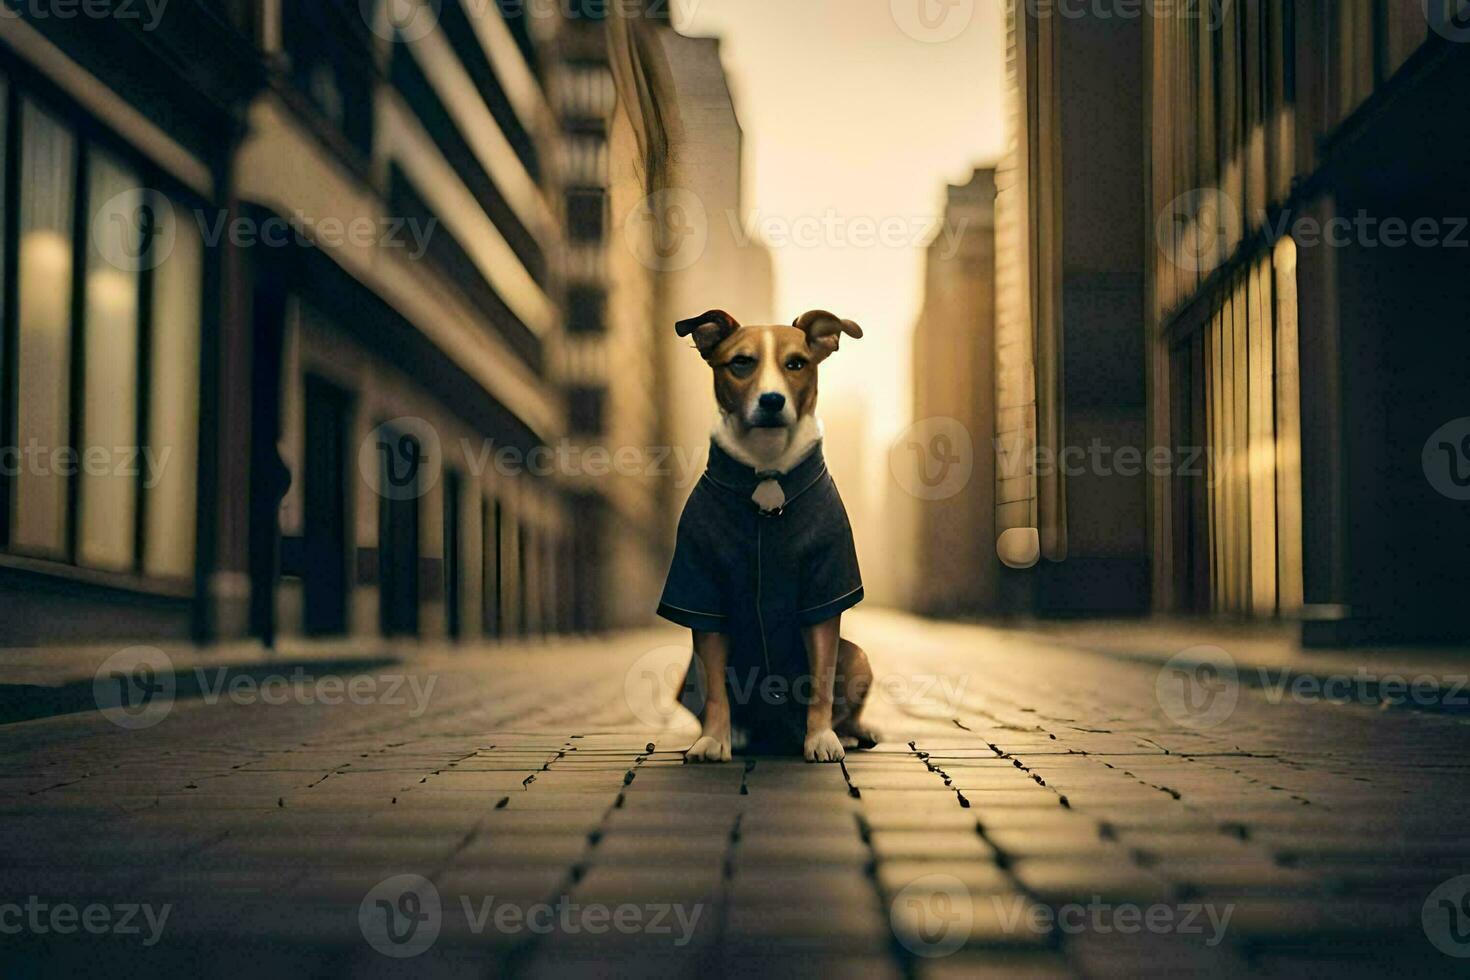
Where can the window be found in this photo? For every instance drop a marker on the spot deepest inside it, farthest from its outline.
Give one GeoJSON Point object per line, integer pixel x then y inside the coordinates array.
{"type": "Point", "coordinates": [173, 388]}
{"type": "Point", "coordinates": [1244, 379]}
{"type": "Point", "coordinates": [43, 368]}
{"type": "Point", "coordinates": [585, 309]}
{"type": "Point", "coordinates": [585, 407]}
{"type": "Point", "coordinates": [330, 62]}
{"type": "Point", "coordinates": [101, 398]}
{"type": "Point", "coordinates": [585, 215]}
{"type": "Point", "coordinates": [490, 557]}
{"type": "Point", "coordinates": [525, 600]}
{"type": "Point", "coordinates": [494, 568]}
{"type": "Point", "coordinates": [453, 553]}
{"type": "Point", "coordinates": [109, 477]}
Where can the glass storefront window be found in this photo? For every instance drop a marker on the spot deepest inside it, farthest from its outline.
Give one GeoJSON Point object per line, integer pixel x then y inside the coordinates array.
{"type": "Point", "coordinates": [112, 461]}
{"type": "Point", "coordinates": [43, 368]}
{"type": "Point", "coordinates": [173, 385]}
{"type": "Point", "coordinates": [119, 456]}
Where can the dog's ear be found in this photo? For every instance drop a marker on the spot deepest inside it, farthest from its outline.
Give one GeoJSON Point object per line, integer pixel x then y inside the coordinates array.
{"type": "Point", "coordinates": [709, 330]}
{"type": "Point", "coordinates": [823, 330]}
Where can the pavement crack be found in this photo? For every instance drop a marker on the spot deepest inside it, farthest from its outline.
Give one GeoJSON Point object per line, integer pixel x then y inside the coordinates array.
{"type": "Point", "coordinates": [69, 782]}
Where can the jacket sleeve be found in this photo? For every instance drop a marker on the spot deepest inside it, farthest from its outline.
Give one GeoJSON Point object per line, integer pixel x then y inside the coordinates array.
{"type": "Point", "coordinates": [831, 582]}
{"type": "Point", "coordinates": [693, 596]}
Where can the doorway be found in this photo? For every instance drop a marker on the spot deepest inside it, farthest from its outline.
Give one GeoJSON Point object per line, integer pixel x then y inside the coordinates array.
{"type": "Point", "coordinates": [398, 546]}
{"type": "Point", "coordinates": [324, 571]}
{"type": "Point", "coordinates": [453, 560]}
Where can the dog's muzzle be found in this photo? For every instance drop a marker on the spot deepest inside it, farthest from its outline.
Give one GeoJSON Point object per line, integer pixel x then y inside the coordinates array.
{"type": "Point", "coordinates": [770, 411]}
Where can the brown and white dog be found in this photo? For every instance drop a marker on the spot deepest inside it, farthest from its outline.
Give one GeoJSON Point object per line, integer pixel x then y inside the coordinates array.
{"type": "Point", "coordinates": [765, 383]}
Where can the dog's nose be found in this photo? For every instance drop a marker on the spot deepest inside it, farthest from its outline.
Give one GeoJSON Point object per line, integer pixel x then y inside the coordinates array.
{"type": "Point", "coordinates": [772, 401]}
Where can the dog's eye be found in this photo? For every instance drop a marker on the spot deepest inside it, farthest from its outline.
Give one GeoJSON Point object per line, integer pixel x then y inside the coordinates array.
{"type": "Point", "coordinates": [796, 363]}
{"type": "Point", "coordinates": [741, 365]}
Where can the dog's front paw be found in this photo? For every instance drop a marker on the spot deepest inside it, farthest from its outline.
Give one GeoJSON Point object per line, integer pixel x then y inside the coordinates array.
{"type": "Point", "coordinates": [709, 749]}
{"type": "Point", "coordinates": [823, 746]}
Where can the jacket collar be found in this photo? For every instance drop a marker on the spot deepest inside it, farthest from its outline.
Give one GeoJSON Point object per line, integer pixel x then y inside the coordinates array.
{"type": "Point", "coordinates": [733, 476]}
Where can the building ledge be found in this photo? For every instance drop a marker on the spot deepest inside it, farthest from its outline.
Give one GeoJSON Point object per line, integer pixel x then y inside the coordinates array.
{"type": "Point", "coordinates": [16, 567]}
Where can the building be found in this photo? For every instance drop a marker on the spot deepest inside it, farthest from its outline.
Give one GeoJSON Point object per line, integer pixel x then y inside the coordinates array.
{"type": "Point", "coordinates": [611, 362]}
{"type": "Point", "coordinates": [312, 259]}
{"type": "Point", "coordinates": [954, 378]}
{"type": "Point", "coordinates": [1305, 440]}
{"type": "Point", "coordinates": [1070, 379]}
{"type": "Point", "coordinates": [673, 187]}
{"type": "Point", "coordinates": [690, 225]}
{"type": "Point", "coordinates": [386, 355]}
{"type": "Point", "coordinates": [116, 135]}
{"type": "Point", "coordinates": [1303, 314]}
{"type": "Point", "coordinates": [711, 257]}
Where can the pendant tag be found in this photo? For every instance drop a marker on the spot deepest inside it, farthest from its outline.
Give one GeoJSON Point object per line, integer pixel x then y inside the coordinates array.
{"type": "Point", "coordinates": [769, 497]}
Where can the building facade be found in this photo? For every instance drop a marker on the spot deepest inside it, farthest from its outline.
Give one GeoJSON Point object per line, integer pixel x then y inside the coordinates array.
{"type": "Point", "coordinates": [414, 365]}
{"type": "Point", "coordinates": [955, 565]}
{"type": "Point", "coordinates": [1070, 493]}
{"type": "Point", "coordinates": [610, 363]}
{"type": "Point", "coordinates": [111, 314]}
{"type": "Point", "coordinates": [1302, 302]}
{"type": "Point", "coordinates": [1302, 440]}
{"type": "Point", "coordinates": [312, 260]}
{"type": "Point", "coordinates": [709, 257]}
{"type": "Point", "coordinates": [683, 216]}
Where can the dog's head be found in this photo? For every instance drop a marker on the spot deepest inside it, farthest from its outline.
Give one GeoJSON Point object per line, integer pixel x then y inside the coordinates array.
{"type": "Point", "coordinates": [766, 377]}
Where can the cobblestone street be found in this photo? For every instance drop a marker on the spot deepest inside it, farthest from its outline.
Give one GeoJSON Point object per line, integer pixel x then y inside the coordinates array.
{"type": "Point", "coordinates": [1036, 810]}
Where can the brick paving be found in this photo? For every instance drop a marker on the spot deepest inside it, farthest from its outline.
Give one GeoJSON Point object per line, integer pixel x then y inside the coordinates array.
{"type": "Point", "coordinates": [1035, 812]}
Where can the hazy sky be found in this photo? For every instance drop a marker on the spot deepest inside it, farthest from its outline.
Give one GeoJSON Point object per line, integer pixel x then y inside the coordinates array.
{"type": "Point", "coordinates": [856, 114]}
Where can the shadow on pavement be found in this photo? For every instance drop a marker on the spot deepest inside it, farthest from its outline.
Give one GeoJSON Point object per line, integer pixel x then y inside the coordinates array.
{"type": "Point", "coordinates": [27, 702]}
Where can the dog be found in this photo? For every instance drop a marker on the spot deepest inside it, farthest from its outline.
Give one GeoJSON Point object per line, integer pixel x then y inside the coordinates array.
{"type": "Point", "coordinates": [765, 564]}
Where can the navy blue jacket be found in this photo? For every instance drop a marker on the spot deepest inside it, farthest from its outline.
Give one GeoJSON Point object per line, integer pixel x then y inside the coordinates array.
{"type": "Point", "coordinates": [761, 577]}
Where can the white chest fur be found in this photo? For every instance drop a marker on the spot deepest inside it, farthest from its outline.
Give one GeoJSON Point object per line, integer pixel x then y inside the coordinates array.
{"type": "Point", "coordinates": [769, 450]}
